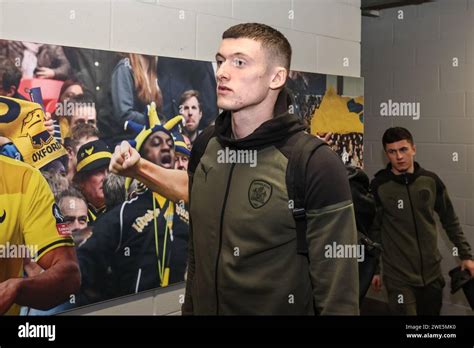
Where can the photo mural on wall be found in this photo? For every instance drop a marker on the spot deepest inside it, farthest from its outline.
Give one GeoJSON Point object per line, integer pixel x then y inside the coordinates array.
{"type": "Point", "coordinates": [127, 238]}
{"type": "Point", "coordinates": [333, 109]}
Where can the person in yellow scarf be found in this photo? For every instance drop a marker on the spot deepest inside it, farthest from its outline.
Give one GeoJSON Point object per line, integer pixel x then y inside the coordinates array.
{"type": "Point", "coordinates": [26, 125]}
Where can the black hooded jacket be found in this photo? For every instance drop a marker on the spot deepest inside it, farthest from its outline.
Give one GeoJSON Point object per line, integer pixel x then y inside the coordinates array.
{"type": "Point", "coordinates": [405, 224]}
{"type": "Point", "coordinates": [242, 252]}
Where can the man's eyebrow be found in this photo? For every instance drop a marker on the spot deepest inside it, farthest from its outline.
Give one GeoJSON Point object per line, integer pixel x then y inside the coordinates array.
{"type": "Point", "coordinates": [400, 148]}
{"type": "Point", "coordinates": [241, 54]}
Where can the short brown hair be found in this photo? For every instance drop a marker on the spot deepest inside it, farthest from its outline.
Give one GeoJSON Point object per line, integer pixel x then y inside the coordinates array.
{"type": "Point", "coordinates": [10, 75]}
{"type": "Point", "coordinates": [188, 95]}
{"type": "Point", "coordinates": [270, 39]}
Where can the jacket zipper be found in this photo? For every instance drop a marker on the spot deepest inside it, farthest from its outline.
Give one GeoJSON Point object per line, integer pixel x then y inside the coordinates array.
{"type": "Point", "coordinates": [220, 234]}
{"type": "Point", "coordinates": [416, 230]}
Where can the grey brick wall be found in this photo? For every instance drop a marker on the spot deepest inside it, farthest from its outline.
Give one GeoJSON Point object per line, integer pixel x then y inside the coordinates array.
{"type": "Point", "coordinates": [410, 59]}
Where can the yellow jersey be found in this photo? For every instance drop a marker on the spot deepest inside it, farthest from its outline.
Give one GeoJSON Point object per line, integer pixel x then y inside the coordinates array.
{"type": "Point", "coordinates": [29, 219]}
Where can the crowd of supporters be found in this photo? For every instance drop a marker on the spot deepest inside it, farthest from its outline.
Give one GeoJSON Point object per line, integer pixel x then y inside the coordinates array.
{"type": "Point", "coordinates": [127, 238]}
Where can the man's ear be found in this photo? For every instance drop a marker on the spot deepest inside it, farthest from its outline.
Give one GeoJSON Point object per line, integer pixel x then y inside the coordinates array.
{"type": "Point", "coordinates": [70, 152]}
{"type": "Point", "coordinates": [11, 91]}
{"type": "Point", "coordinates": [280, 75]}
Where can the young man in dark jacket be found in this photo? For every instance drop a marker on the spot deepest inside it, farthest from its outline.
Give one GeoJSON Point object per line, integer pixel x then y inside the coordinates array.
{"type": "Point", "coordinates": [407, 196]}
{"type": "Point", "coordinates": [243, 244]}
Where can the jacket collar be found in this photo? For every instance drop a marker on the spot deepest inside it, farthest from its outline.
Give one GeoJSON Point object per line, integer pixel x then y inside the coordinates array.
{"type": "Point", "coordinates": [282, 125]}
{"type": "Point", "coordinates": [405, 178]}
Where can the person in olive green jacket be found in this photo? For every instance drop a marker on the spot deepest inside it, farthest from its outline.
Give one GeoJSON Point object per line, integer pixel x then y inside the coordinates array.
{"type": "Point", "coordinates": [243, 257]}
{"type": "Point", "coordinates": [407, 196]}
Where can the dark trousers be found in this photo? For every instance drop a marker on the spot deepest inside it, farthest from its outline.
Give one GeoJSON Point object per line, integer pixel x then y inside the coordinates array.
{"type": "Point", "coordinates": [404, 299]}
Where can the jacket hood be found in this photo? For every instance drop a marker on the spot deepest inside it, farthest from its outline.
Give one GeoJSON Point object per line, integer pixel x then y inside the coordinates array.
{"type": "Point", "coordinates": [282, 125]}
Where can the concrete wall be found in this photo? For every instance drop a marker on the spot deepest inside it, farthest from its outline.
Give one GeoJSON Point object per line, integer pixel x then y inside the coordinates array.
{"type": "Point", "coordinates": [322, 32]}
{"type": "Point", "coordinates": [411, 56]}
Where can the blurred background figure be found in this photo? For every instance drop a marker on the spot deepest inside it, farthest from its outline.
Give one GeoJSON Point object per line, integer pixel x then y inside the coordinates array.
{"type": "Point", "coordinates": [134, 86]}
{"type": "Point", "coordinates": [10, 77]}
{"type": "Point", "coordinates": [182, 152]}
{"type": "Point", "coordinates": [80, 109]}
{"type": "Point", "coordinates": [57, 183]}
{"type": "Point", "coordinates": [177, 76]}
{"type": "Point", "coordinates": [93, 160]}
{"type": "Point", "coordinates": [190, 108]}
{"type": "Point", "coordinates": [114, 190]}
{"type": "Point", "coordinates": [93, 68]}
{"type": "Point", "coordinates": [80, 135]}
{"type": "Point", "coordinates": [74, 209]}
{"type": "Point", "coordinates": [40, 61]}
{"type": "Point", "coordinates": [70, 88]}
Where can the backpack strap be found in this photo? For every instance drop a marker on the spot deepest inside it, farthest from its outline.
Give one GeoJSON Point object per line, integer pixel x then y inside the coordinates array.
{"type": "Point", "coordinates": [199, 147]}
{"type": "Point", "coordinates": [296, 181]}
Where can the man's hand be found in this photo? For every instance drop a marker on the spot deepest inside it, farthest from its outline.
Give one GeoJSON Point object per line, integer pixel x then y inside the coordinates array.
{"type": "Point", "coordinates": [44, 290]}
{"type": "Point", "coordinates": [377, 283]}
{"type": "Point", "coordinates": [8, 292]}
{"type": "Point", "coordinates": [45, 73]}
{"type": "Point", "coordinates": [325, 137]}
{"type": "Point", "coordinates": [48, 123]}
{"type": "Point", "coordinates": [170, 183]}
{"type": "Point", "coordinates": [469, 265]}
{"type": "Point", "coordinates": [124, 160]}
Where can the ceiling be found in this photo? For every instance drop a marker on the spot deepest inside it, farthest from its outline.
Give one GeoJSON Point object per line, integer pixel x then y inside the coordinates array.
{"type": "Point", "coordinates": [381, 4]}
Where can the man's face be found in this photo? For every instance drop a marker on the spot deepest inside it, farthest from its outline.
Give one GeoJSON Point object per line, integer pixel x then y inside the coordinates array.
{"type": "Point", "coordinates": [192, 114]}
{"type": "Point", "coordinates": [158, 148]}
{"type": "Point", "coordinates": [181, 162]}
{"type": "Point", "coordinates": [243, 74]}
{"type": "Point", "coordinates": [83, 114]}
{"type": "Point", "coordinates": [401, 155]}
{"type": "Point", "coordinates": [74, 211]}
{"type": "Point", "coordinates": [92, 186]}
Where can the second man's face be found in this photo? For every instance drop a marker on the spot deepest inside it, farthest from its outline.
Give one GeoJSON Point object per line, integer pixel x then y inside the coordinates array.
{"type": "Point", "coordinates": [181, 162]}
{"type": "Point", "coordinates": [158, 148]}
{"type": "Point", "coordinates": [92, 187]}
{"type": "Point", "coordinates": [192, 114]}
{"type": "Point", "coordinates": [86, 114]}
{"type": "Point", "coordinates": [75, 213]}
{"type": "Point", "coordinates": [242, 74]}
{"type": "Point", "coordinates": [401, 155]}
